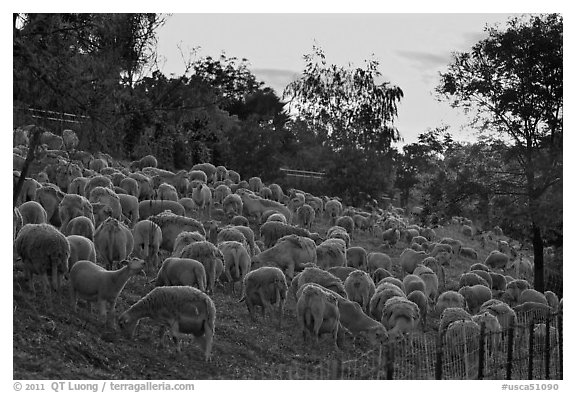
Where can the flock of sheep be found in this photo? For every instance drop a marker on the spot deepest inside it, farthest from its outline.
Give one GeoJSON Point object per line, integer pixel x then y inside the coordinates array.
{"type": "Point", "coordinates": [89, 223]}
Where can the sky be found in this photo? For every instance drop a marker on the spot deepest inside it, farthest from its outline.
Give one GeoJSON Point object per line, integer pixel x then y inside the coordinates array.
{"type": "Point", "coordinates": [412, 50]}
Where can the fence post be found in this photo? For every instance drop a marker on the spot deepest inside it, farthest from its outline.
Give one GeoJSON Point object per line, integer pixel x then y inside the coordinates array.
{"type": "Point", "coordinates": [389, 360]}
{"type": "Point", "coordinates": [510, 352]}
{"type": "Point", "coordinates": [438, 370]}
{"type": "Point", "coordinates": [531, 351]}
{"type": "Point", "coordinates": [336, 369]}
{"type": "Point", "coordinates": [547, 349]}
{"type": "Point", "coordinates": [560, 350]}
{"type": "Point", "coordinates": [481, 349]}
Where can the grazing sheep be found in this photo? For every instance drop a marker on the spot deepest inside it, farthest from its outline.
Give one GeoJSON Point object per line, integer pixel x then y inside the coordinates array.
{"type": "Point", "coordinates": [44, 251]}
{"type": "Point", "coordinates": [461, 337]}
{"type": "Point", "coordinates": [331, 253]}
{"type": "Point", "coordinates": [392, 280]}
{"type": "Point", "coordinates": [290, 254]}
{"type": "Point", "coordinates": [400, 316]}
{"type": "Point", "coordinates": [413, 283]}
{"type": "Point", "coordinates": [172, 224]}
{"type": "Point", "coordinates": [93, 283]}
{"type": "Point", "coordinates": [237, 262]}
{"type": "Point", "coordinates": [206, 253]}
{"type": "Point", "coordinates": [317, 276]}
{"type": "Point", "coordinates": [469, 279]}
{"type": "Point", "coordinates": [255, 184]}
{"type": "Point", "coordinates": [167, 192]}
{"type": "Point", "coordinates": [498, 281]}
{"type": "Point", "coordinates": [380, 274]}
{"type": "Point", "coordinates": [130, 208]}
{"type": "Point", "coordinates": [273, 215]}
{"type": "Point", "coordinates": [522, 268]}
{"type": "Point", "coordinates": [202, 197]}
{"type": "Point", "coordinates": [113, 241]}
{"type": "Point", "coordinates": [147, 238]}
{"type": "Point", "coordinates": [455, 244]}
{"type": "Point", "coordinates": [377, 260]}
{"type": "Point", "coordinates": [384, 291]}
{"type": "Point", "coordinates": [479, 266]}
{"type": "Point", "coordinates": [552, 299]}
{"type": "Point", "coordinates": [183, 310]}
{"type": "Point", "coordinates": [306, 216]}
{"type": "Point", "coordinates": [337, 232]}
{"type": "Point", "coordinates": [197, 175]}
{"type": "Point", "coordinates": [208, 169]}
{"type": "Point", "coordinates": [492, 328]}
{"type": "Point", "coordinates": [108, 197]}
{"type": "Point", "coordinates": [231, 234]}
{"type": "Point", "coordinates": [32, 213]}
{"type": "Point", "coordinates": [131, 186]}
{"type": "Point", "coordinates": [533, 312]}
{"type": "Point", "coordinates": [181, 271]}
{"type": "Point", "coordinates": [148, 208]}
{"type": "Point", "coordinates": [232, 205]}
{"type": "Point", "coordinates": [360, 288]}
{"type": "Point", "coordinates": [496, 260]}
{"type": "Point", "coordinates": [391, 235]}
{"type": "Point", "coordinates": [185, 238]}
{"type": "Point", "coordinates": [347, 223]}
{"type": "Point", "coordinates": [437, 268]}
{"type": "Point", "coordinates": [239, 221]}
{"type": "Point", "coordinates": [253, 205]}
{"type": "Point", "coordinates": [81, 249]}
{"type": "Point", "coordinates": [409, 259]}
{"type": "Point", "coordinates": [449, 299]}
{"type": "Point", "coordinates": [532, 295]}
{"type": "Point", "coordinates": [356, 257]}
{"type": "Point", "coordinates": [50, 197]}
{"type": "Point", "coordinates": [72, 206]}
{"type": "Point", "coordinates": [249, 236]}
{"type": "Point", "coordinates": [485, 275]}
{"type": "Point", "coordinates": [82, 226]}
{"type": "Point", "coordinates": [265, 287]}
{"type": "Point", "coordinates": [430, 280]}
{"type": "Point", "coordinates": [468, 252]}
{"type": "Point", "coordinates": [333, 209]}
{"type": "Point", "coordinates": [221, 173]}
{"type": "Point", "coordinates": [475, 296]}
{"type": "Point", "coordinates": [342, 272]}
{"type": "Point", "coordinates": [504, 313]}
{"type": "Point", "coordinates": [514, 289]}
{"type": "Point", "coordinates": [451, 315]}
{"type": "Point", "coordinates": [421, 300]}
{"type": "Point", "coordinates": [317, 312]}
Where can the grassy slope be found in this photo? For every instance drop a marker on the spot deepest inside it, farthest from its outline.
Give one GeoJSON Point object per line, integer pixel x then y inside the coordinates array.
{"type": "Point", "coordinates": [62, 344]}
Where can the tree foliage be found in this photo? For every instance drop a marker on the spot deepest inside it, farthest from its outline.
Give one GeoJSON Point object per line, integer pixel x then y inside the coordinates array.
{"type": "Point", "coordinates": [512, 81]}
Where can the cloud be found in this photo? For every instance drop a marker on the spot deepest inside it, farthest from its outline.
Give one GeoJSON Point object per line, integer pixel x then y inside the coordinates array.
{"type": "Point", "coordinates": [277, 79]}
{"type": "Point", "coordinates": [424, 60]}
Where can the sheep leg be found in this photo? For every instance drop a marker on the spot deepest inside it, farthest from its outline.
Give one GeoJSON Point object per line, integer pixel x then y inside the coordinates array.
{"type": "Point", "coordinates": [206, 344]}
{"type": "Point", "coordinates": [102, 310]}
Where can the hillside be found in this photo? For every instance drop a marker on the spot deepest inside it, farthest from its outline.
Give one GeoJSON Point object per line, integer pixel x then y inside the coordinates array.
{"type": "Point", "coordinates": [61, 344]}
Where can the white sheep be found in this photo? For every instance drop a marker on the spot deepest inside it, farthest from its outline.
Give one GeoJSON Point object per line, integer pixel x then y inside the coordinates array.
{"type": "Point", "coordinates": [291, 253]}
{"type": "Point", "coordinates": [181, 271]}
{"type": "Point", "coordinates": [130, 208]}
{"type": "Point", "coordinates": [377, 260]}
{"type": "Point", "coordinates": [356, 257]}
{"type": "Point", "coordinates": [237, 262]}
{"type": "Point", "coordinates": [209, 255]}
{"type": "Point", "coordinates": [113, 241]}
{"type": "Point", "coordinates": [421, 300]}
{"type": "Point", "coordinates": [81, 248]}
{"type": "Point", "coordinates": [451, 315]}
{"type": "Point", "coordinates": [202, 196]}
{"type": "Point", "coordinates": [430, 280]}
{"type": "Point", "coordinates": [400, 316]}
{"type": "Point", "coordinates": [413, 282]}
{"type": "Point", "coordinates": [172, 224]}
{"type": "Point", "coordinates": [306, 216]}
{"type": "Point", "coordinates": [469, 279]}
{"type": "Point", "coordinates": [82, 226]}
{"type": "Point", "coordinates": [449, 299]}
{"type": "Point", "coordinates": [265, 287]}
{"type": "Point", "coordinates": [167, 192]}
{"type": "Point", "coordinates": [384, 291]}
{"type": "Point", "coordinates": [181, 309]}
{"type": "Point", "coordinates": [342, 272]}
{"type": "Point", "coordinates": [360, 288]}
{"type": "Point", "coordinates": [409, 259]}
{"type": "Point", "coordinates": [317, 312]}
{"type": "Point", "coordinates": [317, 276]}
{"type": "Point", "coordinates": [93, 283]}
{"type": "Point", "coordinates": [44, 251]}
{"type": "Point", "coordinates": [331, 253]}
{"type": "Point", "coordinates": [33, 213]}
{"type": "Point", "coordinates": [504, 313]}
{"type": "Point", "coordinates": [475, 296]}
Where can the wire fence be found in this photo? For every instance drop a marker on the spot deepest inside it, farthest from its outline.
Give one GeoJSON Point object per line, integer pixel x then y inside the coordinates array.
{"type": "Point", "coordinates": [530, 349]}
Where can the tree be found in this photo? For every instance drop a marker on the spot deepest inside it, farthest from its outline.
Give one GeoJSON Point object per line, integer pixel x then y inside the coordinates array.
{"type": "Point", "coordinates": [512, 81]}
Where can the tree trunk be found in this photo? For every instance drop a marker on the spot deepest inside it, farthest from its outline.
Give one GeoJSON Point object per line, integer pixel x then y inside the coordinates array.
{"type": "Point", "coordinates": [538, 246]}
{"type": "Point", "coordinates": [34, 141]}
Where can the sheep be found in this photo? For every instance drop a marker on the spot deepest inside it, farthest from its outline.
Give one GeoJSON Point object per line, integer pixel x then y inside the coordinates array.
{"type": "Point", "coordinates": [475, 296]}
{"type": "Point", "coordinates": [72, 206]}
{"type": "Point", "coordinates": [356, 257]}
{"type": "Point", "coordinates": [540, 337]}
{"type": "Point", "coordinates": [532, 295]}
{"type": "Point", "coordinates": [331, 253]}
{"type": "Point", "coordinates": [333, 209]}
{"type": "Point", "coordinates": [148, 208]}
{"type": "Point", "coordinates": [181, 271]}
{"type": "Point", "coordinates": [347, 223]}
{"type": "Point", "coordinates": [391, 235]}
{"type": "Point", "coordinates": [391, 280]}
{"type": "Point", "coordinates": [53, 141]}
{"type": "Point", "coordinates": [255, 206]}
{"type": "Point", "coordinates": [290, 253]}
{"type": "Point", "coordinates": [273, 215]}
{"type": "Point", "coordinates": [231, 234]}
{"type": "Point", "coordinates": [108, 197]}
{"type": "Point", "coordinates": [451, 315]}
{"type": "Point", "coordinates": [255, 184]}
{"type": "Point", "coordinates": [147, 237]}
{"type": "Point", "coordinates": [384, 291]}
{"type": "Point", "coordinates": [379, 274]}
{"type": "Point", "coordinates": [221, 173]}
{"type": "Point", "coordinates": [469, 279]}
{"type": "Point", "coordinates": [93, 283]}
{"type": "Point", "coordinates": [421, 300]}
{"type": "Point", "coordinates": [44, 250]}
{"type": "Point", "coordinates": [479, 266]}
{"type": "Point", "coordinates": [317, 312]}
{"type": "Point", "coordinates": [337, 232]}
{"type": "Point", "coordinates": [32, 213]}
{"type": "Point", "coordinates": [455, 244]}
{"type": "Point", "coordinates": [522, 268]}
{"type": "Point", "coordinates": [496, 260]}
{"type": "Point", "coordinates": [320, 277]}
{"type": "Point", "coordinates": [208, 169]}
{"type": "Point", "coordinates": [449, 299]}
{"type": "Point", "coordinates": [239, 221]}
{"type": "Point", "coordinates": [265, 287]}
{"type": "Point", "coordinates": [183, 309]}
{"type": "Point", "coordinates": [209, 255]}
{"type": "Point", "coordinates": [81, 249]}
{"type": "Point", "coordinates": [409, 259]}
{"type": "Point", "coordinates": [113, 241]}
{"type": "Point", "coordinates": [498, 282]}
{"type": "Point", "coordinates": [185, 238]}
{"type": "Point", "coordinates": [360, 288]}
{"type": "Point", "coordinates": [437, 268]}
{"type": "Point", "coordinates": [232, 205]}
{"type": "Point", "coordinates": [469, 253]}
{"type": "Point", "coordinates": [377, 260]}
{"type": "Point", "coordinates": [237, 262]}
{"type": "Point", "coordinates": [306, 216]}
{"type": "Point", "coordinates": [485, 275]}
{"type": "Point", "coordinates": [82, 226]}
{"type": "Point", "coordinates": [514, 289]}
{"type": "Point", "coordinates": [249, 236]}
{"type": "Point", "coordinates": [50, 197]}
{"type": "Point", "coordinates": [342, 272]}
{"type": "Point", "coordinates": [130, 208]}
{"type": "Point", "coordinates": [400, 316]}
{"type": "Point", "coordinates": [172, 224]}
{"type": "Point", "coordinates": [430, 280]}
{"type": "Point", "coordinates": [504, 313]}
{"type": "Point", "coordinates": [552, 300]}
{"type": "Point", "coordinates": [532, 312]}
{"type": "Point", "coordinates": [131, 186]}
{"type": "Point", "coordinates": [462, 338]}
{"type": "Point", "coordinates": [413, 283]}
